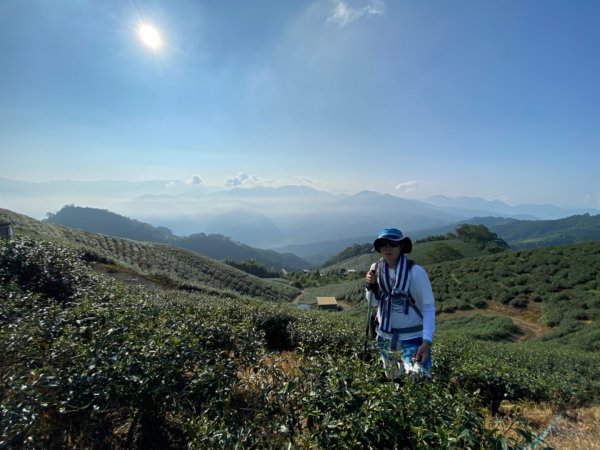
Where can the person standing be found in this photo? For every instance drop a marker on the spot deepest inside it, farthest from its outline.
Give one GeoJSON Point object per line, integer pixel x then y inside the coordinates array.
{"type": "Point", "coordinates": [402, 292]}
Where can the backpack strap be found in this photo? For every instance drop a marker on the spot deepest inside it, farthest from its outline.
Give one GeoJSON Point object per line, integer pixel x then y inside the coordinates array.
{"type": "Point", "coordinates": [413, 304]}
{"type": "Point", "coordinates": [388, 294]}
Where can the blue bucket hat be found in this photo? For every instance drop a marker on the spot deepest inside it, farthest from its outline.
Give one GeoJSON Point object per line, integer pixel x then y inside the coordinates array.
{"type": "Point", "coordinates": [393, 234]}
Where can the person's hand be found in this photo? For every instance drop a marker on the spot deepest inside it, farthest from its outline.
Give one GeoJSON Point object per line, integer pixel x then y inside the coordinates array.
{"type": "Point", "coordinates": [423, 352]}
{"type": "Point", "coordinates": [371, 277]}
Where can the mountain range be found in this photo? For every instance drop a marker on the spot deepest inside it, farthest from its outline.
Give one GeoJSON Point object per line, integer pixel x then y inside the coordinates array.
{"type": "Point", "coordinates": [518, 234]}
{"type": "Point", "coordinates": [310, 223]}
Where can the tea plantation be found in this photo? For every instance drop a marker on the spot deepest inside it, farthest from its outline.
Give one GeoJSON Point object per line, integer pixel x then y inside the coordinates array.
{"type": "Point", "coordinates": [88, 362]}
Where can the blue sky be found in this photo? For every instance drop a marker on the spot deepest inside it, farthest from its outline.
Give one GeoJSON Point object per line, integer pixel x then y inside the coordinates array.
{"type": "Point", "coordinates": [493, 99]}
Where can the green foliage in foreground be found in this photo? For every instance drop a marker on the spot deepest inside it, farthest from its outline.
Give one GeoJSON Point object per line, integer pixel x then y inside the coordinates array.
{"type": "Point", "coordinates": [499, 371]}
{"type": "Point", "coordinates": [90, 363]}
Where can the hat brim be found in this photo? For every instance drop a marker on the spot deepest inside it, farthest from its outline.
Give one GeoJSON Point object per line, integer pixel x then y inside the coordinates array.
{"type": "Point", "coordinates": [406, 244]}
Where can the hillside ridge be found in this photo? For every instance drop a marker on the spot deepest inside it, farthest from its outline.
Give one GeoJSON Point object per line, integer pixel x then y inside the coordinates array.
{"type": "Point", "coordinates": [182, 266]}
{"type": "Point", "coordinates": [215, 246]}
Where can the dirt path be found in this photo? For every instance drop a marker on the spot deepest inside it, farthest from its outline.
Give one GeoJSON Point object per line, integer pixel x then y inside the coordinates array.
{"type": "Point", "coordinates": [344, 306]}
{"type": "Point", "coordinates": [123, 274]}
{"type": "Point", "coordinates": [526, 320]}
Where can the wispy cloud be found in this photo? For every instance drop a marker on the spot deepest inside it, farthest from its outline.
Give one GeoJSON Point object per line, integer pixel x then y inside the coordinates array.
{"type": "Point", "coordinates": [308, 180]}
{"type": "Point", "coordinates": [592, 199]}
{"type": "Point", "coordinates": [243, 179]}
{"type": "Point", "coordinates": [196, 180]}
{"type": "Point", "coordinates": [237, 180]}
{"type": "Point", "coordinates": [343, 13]}
{"type": "Point", "coordinates": [408, 187]}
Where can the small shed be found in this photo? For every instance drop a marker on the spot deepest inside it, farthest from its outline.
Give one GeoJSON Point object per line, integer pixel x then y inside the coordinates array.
{"type": "Point", "coordinates": [6, 231]}
{"type": "Point", "coordinates": [329, 303]}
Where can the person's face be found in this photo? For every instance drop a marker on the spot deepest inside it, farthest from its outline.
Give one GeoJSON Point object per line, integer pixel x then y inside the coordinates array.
{"type": "Point", "coordinates": [390, 250]}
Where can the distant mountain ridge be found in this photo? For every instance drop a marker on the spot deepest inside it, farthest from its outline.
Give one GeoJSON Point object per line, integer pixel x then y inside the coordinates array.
{"type": "Point", "coordinates": [215, 246]}
{"type": "Point", "coordinates": [546, 233]}
{"type": "Point", "coordinates": [277, 218]}
{"type": "Point", "coordinates": [481, 207]}
{"type": "Point", "coordinates": [106, 222]}
{"type": "Point", "coordinates": [517, 233]}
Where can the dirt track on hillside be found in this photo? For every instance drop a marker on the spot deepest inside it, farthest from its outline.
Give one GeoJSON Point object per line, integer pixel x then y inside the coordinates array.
{"type": "Point", "coordinates": [527, 320]}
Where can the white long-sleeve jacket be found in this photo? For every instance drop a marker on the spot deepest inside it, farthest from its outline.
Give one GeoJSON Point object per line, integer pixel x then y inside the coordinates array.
{"type": "Point", "coordinates": [420, 290]}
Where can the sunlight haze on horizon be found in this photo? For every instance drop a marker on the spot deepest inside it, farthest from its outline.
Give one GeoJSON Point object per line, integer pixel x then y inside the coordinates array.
{"type": "Point", "coordinates": [496, 99]}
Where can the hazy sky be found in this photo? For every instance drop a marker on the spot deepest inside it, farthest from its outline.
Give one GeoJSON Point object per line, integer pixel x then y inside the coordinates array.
{"type": "Point", "coordinates": [498, 99]}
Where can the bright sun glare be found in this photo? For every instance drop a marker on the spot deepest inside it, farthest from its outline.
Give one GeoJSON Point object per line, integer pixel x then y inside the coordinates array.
{"type": "Point", "coordinates": [150, 36]}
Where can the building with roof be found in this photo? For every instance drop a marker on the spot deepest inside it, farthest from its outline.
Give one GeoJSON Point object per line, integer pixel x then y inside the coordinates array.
{"type": "Point", "coordinates": [327, 303]}
{"type": "Point", "coordinates": [6, 231]}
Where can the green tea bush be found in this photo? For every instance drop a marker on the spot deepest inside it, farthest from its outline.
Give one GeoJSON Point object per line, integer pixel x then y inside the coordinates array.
{"type": "Point", "coordinates": [72, 369]}
{"type": "Point", "coordinates": [335, 401]}
{"type": "Point", "coordinates": [479, 327]}
{"type": "Point", "coordinates": [501, 371]}
{"type": "Point", "coordinates": [44, 269]}
{"type": "Point", "coordinates": [102, 365]}
{"type": "Point", "coordinates": [95, 361]}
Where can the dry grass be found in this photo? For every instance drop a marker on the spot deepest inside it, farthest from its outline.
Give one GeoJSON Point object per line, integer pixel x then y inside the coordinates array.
{"type": "Point", "coordinates": [528, 317]}
{"type": "Point", "coordinates": [572, 430]}
{"type": "Point", "coordinates": [577, 430]}
{"type": "Point", "coordinates": [271, 373]}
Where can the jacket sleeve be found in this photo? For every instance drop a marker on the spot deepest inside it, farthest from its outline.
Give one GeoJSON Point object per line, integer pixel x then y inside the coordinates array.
{"type": "Point", "coordinates": [422, 292]}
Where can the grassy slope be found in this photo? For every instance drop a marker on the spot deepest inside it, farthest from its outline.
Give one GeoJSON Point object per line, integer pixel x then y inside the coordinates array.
{"type": "Point", "coordinates": [420, 254]}
{"type": "Point", "coordinates": [181, 266]}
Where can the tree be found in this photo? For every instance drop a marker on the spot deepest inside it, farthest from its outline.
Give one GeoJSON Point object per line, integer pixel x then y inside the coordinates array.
{"type": "Point", "coordinates": [482, 236]}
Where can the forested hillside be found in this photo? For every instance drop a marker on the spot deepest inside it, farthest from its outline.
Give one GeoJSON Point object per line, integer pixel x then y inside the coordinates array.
{"type": "Point", "coordinates": [533, 233]}
{"type": "Point", "coordinates": [102, 221]}
{"type": "Point", "coordinates": [541, 233]}
{"type": "Point", "coordinates": [464, 241]}
{"type": "Point", "coordinates": [214, 246]}
{"type": "Point", "coordinates": [182, 267]}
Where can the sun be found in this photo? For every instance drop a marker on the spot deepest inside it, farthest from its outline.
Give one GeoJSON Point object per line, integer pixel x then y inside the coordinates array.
{"type": "Point", "coordinates": [150, 36]}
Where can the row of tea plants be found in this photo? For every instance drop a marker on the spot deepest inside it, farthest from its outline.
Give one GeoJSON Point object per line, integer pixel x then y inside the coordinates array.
{"type": "Point", "coordinates": [90, 363]}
